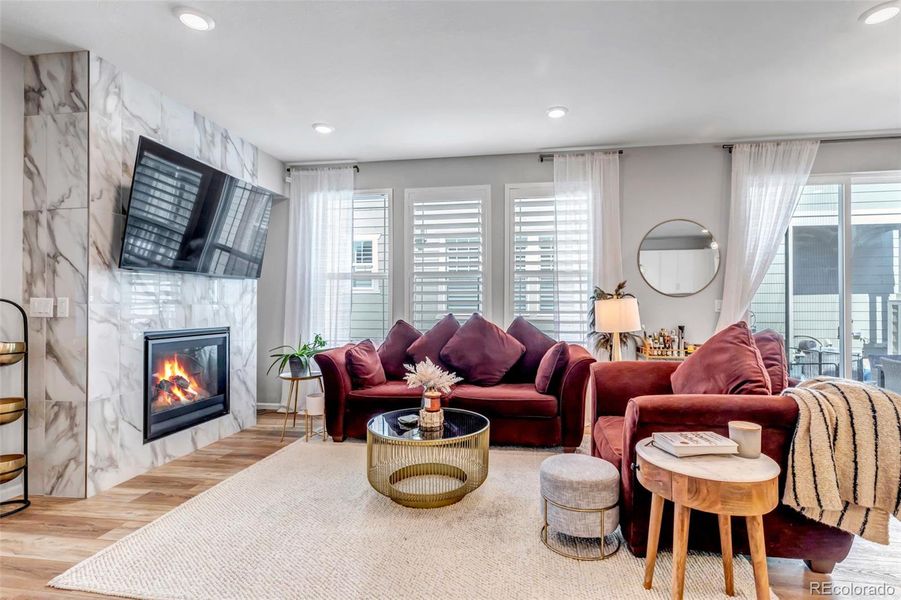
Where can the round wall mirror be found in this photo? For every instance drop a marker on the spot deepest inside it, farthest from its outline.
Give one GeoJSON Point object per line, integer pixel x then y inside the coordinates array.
{"type": "Point", "coordinates": [678, 257]}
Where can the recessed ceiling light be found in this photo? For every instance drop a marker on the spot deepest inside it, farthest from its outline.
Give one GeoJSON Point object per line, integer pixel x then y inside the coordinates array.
{"type": "Point", "coordinates": [193, 19]}
{"type": "Point", "coordinates": [557, 112]}
{"type": "Point", "coordinates": [881, 13]}
{"type": "Point", "coordinates": [323, 128]}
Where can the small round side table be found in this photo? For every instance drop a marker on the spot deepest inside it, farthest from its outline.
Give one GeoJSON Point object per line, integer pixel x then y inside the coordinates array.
{"type": "Point", "coordinates": [294, 392]}
{"type": "Point", "coordinates": [726, 485]}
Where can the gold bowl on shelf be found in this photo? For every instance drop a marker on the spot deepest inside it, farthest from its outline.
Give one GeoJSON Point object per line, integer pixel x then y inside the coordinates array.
{"type": "Point", "coordinates": [10, 466]}
{"type": "Point", "coordinates": [11, 409]}
{"type": "Point", "coordinates": [11, 352]}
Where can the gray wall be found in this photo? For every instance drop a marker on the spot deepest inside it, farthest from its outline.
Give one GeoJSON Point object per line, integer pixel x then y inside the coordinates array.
{"type": "Point", "coordinates": [271, 303]}
{"type": "Point", "coordinates": [674, 182]}
{"type": "Point", "coordinates": [852, 157]}
{"type": "Point", "coordinates": [12, 110]}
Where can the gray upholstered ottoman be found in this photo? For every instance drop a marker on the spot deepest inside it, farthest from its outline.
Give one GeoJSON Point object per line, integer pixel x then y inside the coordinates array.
{"type": "Point", "coordinates": [579, 499]}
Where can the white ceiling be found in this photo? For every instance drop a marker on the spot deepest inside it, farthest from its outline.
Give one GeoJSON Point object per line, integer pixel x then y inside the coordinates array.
{"type": "Point", "coordinates": [426, 79]}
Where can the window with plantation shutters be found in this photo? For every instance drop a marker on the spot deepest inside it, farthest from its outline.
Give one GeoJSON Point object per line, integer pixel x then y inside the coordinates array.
{"type": "Point", "coordinates": [371, 288]}
{"type": "Point", "coordinates": [447, 231]}
{"type": "Point", "coordinates": [546, 287]}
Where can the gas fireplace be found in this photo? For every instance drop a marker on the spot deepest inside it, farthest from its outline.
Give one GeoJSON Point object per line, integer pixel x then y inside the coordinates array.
{"type": "Point", "coordinates": [185, 379]}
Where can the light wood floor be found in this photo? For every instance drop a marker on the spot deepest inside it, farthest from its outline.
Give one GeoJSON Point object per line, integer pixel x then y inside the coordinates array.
{"type": "Point", "coordinates": [54, 534]}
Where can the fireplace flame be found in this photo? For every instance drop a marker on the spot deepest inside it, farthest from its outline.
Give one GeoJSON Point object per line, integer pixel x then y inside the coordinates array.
{"type": "Point", "coordinates": [175, 385]}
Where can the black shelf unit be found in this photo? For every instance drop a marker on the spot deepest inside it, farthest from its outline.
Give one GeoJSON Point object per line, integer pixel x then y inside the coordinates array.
{"type": "Point", "coordinates": [22, 503]}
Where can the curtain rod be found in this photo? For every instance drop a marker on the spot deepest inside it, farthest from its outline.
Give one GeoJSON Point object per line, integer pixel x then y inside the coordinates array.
{"type": "Point", "coordinates": [834, 140]}
{"type": "Point", "coordinates": [550, 156]}
{"type": "Point", "coordinates": [288, 169]}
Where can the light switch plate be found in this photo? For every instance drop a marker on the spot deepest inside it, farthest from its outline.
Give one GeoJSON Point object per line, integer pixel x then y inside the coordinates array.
{"type": "Point", "coordinates": [717, 306]}
{"type": "Point", "coordinates": [40, 307]}
{"type": "Point", "coordinates": [62, 307]}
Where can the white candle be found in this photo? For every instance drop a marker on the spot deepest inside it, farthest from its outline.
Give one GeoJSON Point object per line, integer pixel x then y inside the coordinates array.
{"type": "Point", "coordinates": [747, 436]}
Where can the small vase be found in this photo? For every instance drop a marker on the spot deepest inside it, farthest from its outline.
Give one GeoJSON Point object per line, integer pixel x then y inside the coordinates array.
{"type": "Point", "coordinates": [297, 365]}
{"type": "Point", "coordinates": [431, 400]}
{"type": "Point", "coordinates": [431, 421]}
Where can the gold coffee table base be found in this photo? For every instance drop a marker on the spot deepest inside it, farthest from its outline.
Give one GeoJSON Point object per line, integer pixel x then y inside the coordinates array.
{"type": "Point", "coordinates": [424, 499]}
{"type": "Point", "coordinates": [427, 473]}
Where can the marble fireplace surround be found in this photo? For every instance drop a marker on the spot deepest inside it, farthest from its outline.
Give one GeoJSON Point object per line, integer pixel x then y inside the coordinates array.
{"type": "Point", "coordinates": [83, 117]}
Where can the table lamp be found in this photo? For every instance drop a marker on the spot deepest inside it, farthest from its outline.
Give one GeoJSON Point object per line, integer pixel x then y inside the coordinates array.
{"type": "Point", "coordinates": [615, 316]}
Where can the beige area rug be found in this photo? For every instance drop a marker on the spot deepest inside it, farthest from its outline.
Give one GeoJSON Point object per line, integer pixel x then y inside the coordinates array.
{"type": "Point", "coordinates": [304, 523]}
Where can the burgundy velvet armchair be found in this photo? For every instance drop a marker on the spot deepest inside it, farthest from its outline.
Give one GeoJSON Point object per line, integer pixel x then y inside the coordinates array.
{"type": "Point", "coordinates": [634, 399]}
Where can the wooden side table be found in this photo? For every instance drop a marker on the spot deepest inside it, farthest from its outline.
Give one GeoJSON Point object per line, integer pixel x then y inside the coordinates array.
{"type": "Point", "coordinates": [725, 485]}
{"type": "Point", "coordinates": [294, 392]}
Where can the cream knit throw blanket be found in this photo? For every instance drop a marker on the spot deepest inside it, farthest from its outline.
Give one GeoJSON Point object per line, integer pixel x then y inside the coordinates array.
{"type": "Point", "coordinates": [844, 466]}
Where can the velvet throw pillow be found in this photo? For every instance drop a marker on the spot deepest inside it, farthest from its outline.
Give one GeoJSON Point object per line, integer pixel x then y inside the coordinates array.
{"type": "Point", "coordinates": [727, 363]}
{"type": "Point", "coordinates": [432, 341]}
{"type": "Point", "coordinates": [536, 344]}
{"type": "Point", "coordinates": [481, 352]}
{"type": "Point", "coordinates": [771, 345]}
{"type": "Point", "coordinates": [393, 351]}
{"type": "Point", "coordinates": [551, 367]}
{"type": "Point", "coordinates": [364, 365]}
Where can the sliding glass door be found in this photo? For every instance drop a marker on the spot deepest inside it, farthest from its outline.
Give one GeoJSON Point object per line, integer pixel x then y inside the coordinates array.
{"type": "Point", "coordinates": [834, 290]}
{"type": "Point", "coordinates": [875, 290]}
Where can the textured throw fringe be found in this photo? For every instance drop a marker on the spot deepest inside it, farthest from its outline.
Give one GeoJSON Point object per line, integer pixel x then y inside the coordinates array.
{"type": "Point", "coordinates": [844, 466]}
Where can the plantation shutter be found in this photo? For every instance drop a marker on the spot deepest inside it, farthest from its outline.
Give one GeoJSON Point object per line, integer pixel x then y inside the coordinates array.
{"type": "Point", "coordinates": [447, 231]}
{"type": "Point", "coordinates": [548, 291]}
{"type": "Point", "coordinates": [370, 315]}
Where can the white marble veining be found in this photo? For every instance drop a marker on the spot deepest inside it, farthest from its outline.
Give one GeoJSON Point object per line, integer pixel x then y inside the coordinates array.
{"type": "Point", "coordinates": [142, 107]}
{"type": "Point", "coordinates": [67, 253]}
{"type": "Point", "coordinates": [67, 160]}
{"type": "Point", "coordinates": [56, 83]}
{"type": "Point", "coordinates": [103, 438]}
{"type": "Point", "coordinates": [177, 126]}
{"type": "Point", "coordinates": [251, 163]}
{"type": "Point", "coordinates": [103, 257]}
{"type": "Point", "coordinates": [34, 196]}
{"type": "Point", "coordinates": [65, 377]}
{"type": "Point", "coordinates": [34, 254]}
{"type": "Point", "coordinates": [126, 304]}
{"type": "Point", "coordinates": [36, 424]}
{"type": "Point", "coordinates": [64, 449]}
{"type": "Point", "coordinates": [104, 367]}
{"type": "Point", "coordinates": [207, 141]}
{"type": "Point", "coordinates": [106, 89]}
{"type": "Point", "coordinates": [56, 161]}
{"type": "Point", "coordinates": [86, 379]}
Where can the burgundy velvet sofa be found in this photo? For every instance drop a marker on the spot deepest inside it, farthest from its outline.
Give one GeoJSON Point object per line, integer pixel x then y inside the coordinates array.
{"type": "Point", "coordinates": [518, 413]}
{"type": "Point", "coordinates": [633, 399]}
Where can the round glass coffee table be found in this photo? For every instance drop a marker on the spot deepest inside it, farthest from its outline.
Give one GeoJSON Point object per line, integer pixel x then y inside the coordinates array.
{"type": "Point", "coordinates": [422, 469]}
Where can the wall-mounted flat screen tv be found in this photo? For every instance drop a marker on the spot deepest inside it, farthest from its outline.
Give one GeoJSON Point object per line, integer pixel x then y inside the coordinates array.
{"type": "Point", "coordinates": [186, 216]}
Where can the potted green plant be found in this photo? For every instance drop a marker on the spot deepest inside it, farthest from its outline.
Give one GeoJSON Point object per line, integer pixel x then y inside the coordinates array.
{"type": "Point", "coordinates": [297, 359]}
{"type": "Point", "coordinates": [604, 341]}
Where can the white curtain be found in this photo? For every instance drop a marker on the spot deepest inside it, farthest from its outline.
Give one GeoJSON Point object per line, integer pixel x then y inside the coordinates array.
{"type": "Point", "coordinates": [767, 179]}
{"type": "Point", "coordinates": [587, 233]}
{"type": "Point", "coordinates": [320, 255]}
